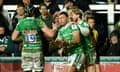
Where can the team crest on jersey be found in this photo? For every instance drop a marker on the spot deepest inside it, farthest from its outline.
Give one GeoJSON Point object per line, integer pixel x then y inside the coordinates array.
{"type": "Point", "coordinates": [74, 27]}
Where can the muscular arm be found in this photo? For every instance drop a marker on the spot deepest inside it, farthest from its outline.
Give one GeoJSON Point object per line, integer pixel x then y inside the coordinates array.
{"type": "Point", "coordinates": [48, 32]}
{"type": "Point", "coordinates": [76, 38]}
{"type": "Point", "coordinates": [15, 35]}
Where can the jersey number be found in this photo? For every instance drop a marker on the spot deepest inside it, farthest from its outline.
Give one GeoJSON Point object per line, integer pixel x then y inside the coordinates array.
{"type": "Point", "coordinates": [30, 37]}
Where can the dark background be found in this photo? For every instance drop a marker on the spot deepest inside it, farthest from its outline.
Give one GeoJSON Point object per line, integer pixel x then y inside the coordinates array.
{"type": "Point", "coordinates": [58, 1]}
{"type": "Point", "coordinates": [13, 2]}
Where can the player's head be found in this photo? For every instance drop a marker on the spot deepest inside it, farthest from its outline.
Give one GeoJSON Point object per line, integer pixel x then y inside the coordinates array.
{"type": "Point", "coordinates": [63, 18]}
{"type": "Point", "coordinates": [77, 14]}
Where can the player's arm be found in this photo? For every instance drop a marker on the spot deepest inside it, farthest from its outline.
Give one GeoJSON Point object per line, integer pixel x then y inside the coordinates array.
{"type": "Point", "coordinates": [47, 31]}
{"type": "Point", "coordinates": [76, 35]}
{"type": "Point", "coordinates": [16, 32]}
{"type": "Point", "coordinates": [15, 35]}
{"type": "Point", "coordinates": [76, 38]}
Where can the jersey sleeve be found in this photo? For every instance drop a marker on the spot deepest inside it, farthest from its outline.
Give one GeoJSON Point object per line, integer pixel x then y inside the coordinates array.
{"type": "Point", "coordinates": [42, 24]}
{"type": "Point", "coordinates": [19, 25]}
{"type": "Point", "coordinates": [84, 29]}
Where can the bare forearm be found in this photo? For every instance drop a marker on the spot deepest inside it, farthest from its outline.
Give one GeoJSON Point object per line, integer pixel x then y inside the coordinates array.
{"type": "Point", "coordinates": [15, 35]}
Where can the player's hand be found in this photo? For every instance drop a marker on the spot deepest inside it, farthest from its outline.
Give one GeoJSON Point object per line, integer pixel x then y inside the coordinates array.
{"type": "Point", "coordinates": [2, 49]}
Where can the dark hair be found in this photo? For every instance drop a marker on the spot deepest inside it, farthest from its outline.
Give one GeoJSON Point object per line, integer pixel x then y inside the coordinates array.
{"type": "Point", "coordinates": [114, 33]}
{"type": "Point", "coordinates": [42, 4]}
{"type": "Point", "coordinates": [20, 5]}
{"type": "Point", "coordinates": [1, 8]}
{"type": "Point", "coordinates": [90, 17]}
{"type": "Point", "coordinates": [5, 28]}
{"type": "Point", "coordinates": [32, 13]}
{"type": "Point", "coordinates": [64, 13]}
{"type": "Point", "coordinates": [69, 1]}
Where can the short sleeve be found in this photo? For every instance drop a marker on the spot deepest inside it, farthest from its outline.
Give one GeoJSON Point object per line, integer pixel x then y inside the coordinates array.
{"type": "Point", "coordinates": [84, 29]}
{"type": "Point", "coordinates": [41, 24]}
{"type": "Point", "coordinates": [18, 26]}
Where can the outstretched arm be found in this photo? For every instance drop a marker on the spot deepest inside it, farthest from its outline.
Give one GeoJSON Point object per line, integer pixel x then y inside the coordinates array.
{"type": "Point", "coordinates": [50, 32]}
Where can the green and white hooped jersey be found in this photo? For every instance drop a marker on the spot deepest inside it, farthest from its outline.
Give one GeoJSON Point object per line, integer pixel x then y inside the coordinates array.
{"type": "Point", "coordinates": [84, 28]}
{"type": "Point", "coordinates": [30, 30]}
{"type": "Point", "coordinates": [66, 33]}
{"type": "Point", "coordinates": [85, 32]}
{"type": "Point", "coordinates": [88, 47]}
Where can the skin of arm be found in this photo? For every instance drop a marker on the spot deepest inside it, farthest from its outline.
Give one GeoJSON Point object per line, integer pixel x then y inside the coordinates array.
{"type": "Point", "coordinates": [76, 38]}
{"type": "Point", "coordinates": [50, 32]}
{"type": "Point", "coordinates": [15, 35]}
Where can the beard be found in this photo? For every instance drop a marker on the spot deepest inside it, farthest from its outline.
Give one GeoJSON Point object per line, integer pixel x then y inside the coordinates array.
{"type": "Point", "coordinates": [75, 20]}
{"type": "Point", "coordinates": [1, 36]}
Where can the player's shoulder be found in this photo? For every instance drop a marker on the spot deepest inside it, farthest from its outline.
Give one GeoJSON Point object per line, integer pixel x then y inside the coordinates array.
{"type": "Point", "coordinates": [74, 26]}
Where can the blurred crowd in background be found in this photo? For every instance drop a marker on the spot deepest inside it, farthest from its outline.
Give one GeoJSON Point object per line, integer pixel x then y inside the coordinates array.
{"type": "Point", "coordinates": [49, 12]}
